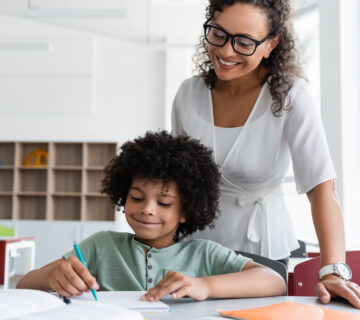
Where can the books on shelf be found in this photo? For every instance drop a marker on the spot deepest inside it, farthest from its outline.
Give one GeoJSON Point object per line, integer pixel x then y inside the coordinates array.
{"type": "Point", "coordinates": [36, 304]}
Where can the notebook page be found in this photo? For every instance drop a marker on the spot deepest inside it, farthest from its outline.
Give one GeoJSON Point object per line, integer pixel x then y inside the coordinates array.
{"type": "Point", "coordinates": [125, 299]}
{"type": "Point", "coordinates": [17, 302]}
{"type": "Point", "coordinates": [84, 310]}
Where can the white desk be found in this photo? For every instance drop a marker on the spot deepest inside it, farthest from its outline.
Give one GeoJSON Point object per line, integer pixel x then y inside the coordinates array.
{"type": "Point", "coordinates": [188, 309]}
{"type": "Point", "coordinates": [8, 249]}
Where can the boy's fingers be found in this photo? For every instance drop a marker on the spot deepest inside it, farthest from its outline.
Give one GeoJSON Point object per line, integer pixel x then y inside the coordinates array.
{"type": "Point", "coordinates": [160, 291]}
{"type": "Point", "coordinates": [68, 288]}
{"type": "Point", "coordinates": [82, 277]}
{"type": "Point", "coordinates": [182, 292]}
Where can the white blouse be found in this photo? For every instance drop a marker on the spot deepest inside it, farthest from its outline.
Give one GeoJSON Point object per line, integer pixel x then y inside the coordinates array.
{"type": "Point", "coordinates": [224, 139]}
{"type": "Point", "coordinates": [253, 216]}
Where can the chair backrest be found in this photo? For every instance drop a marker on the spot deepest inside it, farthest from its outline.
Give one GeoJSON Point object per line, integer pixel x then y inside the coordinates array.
{"type": "Point", "coordinates": [6, 232]}
{"type": "Point", "coordinates": [272, 264]}
{"type": "Point", "coordinates": [299, 252]}
{"type": "Point", "coordinates": [306, 273]}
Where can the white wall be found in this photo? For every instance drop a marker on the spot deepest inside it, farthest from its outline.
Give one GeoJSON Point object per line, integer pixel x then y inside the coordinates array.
{"type": "Point", "coordinates": [85, 88]}
{"type": "Point", "coordinates": [340, 98]}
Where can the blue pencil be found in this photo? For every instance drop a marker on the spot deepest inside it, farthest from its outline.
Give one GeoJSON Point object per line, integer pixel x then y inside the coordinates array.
{"type": "Point", "coordinates": [81, 258]}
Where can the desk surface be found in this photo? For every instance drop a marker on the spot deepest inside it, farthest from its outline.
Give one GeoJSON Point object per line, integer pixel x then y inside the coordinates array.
{"type": "Point", "coordinates": [189, 309]}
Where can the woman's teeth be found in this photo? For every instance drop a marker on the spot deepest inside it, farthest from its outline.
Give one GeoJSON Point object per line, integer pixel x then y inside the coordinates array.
{"type": "Point", "coordinates": [228, 63]}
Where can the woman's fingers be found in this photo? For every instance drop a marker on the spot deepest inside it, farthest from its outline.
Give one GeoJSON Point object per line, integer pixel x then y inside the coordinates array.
{"type": "Point", "coordinates": [338, 288]}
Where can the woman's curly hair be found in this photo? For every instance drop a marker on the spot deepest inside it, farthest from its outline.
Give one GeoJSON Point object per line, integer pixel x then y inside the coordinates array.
{"type": "Point", "coordinates": [163, 157]}
{"type": "Point", "coordinates": [282, 65]}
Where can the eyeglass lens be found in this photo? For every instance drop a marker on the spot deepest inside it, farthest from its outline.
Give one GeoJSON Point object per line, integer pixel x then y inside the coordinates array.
{"type": "Point", "coordinates": [217, 37]}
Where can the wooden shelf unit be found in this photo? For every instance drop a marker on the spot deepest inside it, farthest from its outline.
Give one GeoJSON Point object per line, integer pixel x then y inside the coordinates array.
{"type": "Point", "coordinates": [67, 188]}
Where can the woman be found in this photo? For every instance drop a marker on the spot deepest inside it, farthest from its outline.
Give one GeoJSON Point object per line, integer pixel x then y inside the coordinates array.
{"type": "Point", "coordinates": [251, 106]}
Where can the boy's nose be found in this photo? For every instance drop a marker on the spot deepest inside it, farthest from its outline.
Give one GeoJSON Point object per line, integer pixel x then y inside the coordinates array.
{"type": "Point", "coordinates": [148, 208]}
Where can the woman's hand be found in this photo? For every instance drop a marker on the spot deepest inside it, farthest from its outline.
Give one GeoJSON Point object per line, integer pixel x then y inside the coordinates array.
{"type": "Point", "coordinates": [178, 285]}
{"type": "Point", "coordinates": [332, 286]}
{"type": "Point", "coordinates": [70, 277]}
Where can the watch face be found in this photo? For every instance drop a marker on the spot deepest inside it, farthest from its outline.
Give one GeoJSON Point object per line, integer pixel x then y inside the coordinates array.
{"type": "Point", "coordinates": [344, 271]}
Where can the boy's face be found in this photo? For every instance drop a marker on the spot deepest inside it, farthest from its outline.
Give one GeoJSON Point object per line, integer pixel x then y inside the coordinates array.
{"type": "Point", "coordinates": [153, 211]}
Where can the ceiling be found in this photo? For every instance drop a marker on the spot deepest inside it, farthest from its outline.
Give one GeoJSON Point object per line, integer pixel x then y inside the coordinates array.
{"type": "Point", "coordinates": [153, 21]}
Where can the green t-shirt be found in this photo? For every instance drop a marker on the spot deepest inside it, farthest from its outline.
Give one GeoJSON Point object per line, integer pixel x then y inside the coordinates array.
{"type": "Point", "coordinates": [119, 262]}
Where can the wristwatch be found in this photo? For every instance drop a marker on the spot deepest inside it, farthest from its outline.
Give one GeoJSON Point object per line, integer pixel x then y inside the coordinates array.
{"type": "Point", "coordinates": [341, 269]}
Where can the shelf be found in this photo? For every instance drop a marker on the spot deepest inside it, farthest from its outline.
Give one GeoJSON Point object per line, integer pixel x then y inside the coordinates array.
{"type": "Point", "coordinates": [67, 208]}
{"type": "Point", "coordinates": [99, 154]}
{"type": "Point", "coordinates": [67, 194]}
{"type": "Point", "coordinates": [67, 168]}
{"type": "Point", "coordinates": [5, 207]}
{"type": "Point", "coordinates": [68, 154]}
{"type": "Point", "coordinates": [93, 181]}
{"type": "Point", "coordinates": [6, 180]}
{"type": "Point", "coordinates": [32, 181]}
{"type": "Point", "coordinates": [96, 194]}
{"type": "Point", "coordinates": [6, 193]}
{"type": "Point", "coordinates": [6, 167]}
{"type": "Point", "coordinates": [95, 168]}
{"type": "Point", "coordinates": [67, 181]}
{"type": "Point", "coordinates": [31, 193]}
{"type": "Point", "coordinates": [7, 154]}
{"type": "Point", "coordinates": [32, 207]}
{"type": "Point", "coordinates": [26, 148]}
{"type": "Point", "coordinates": [99, 208]}
{"type": "Point", "coordinates": [63, 184]}
{"type": "Point", "coordinates": [33, 168]}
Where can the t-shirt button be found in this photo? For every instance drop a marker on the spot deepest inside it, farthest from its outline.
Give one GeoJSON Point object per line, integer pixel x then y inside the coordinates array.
{"type": "Point", "coordinates": [149, 266]}
{"type": "Point", "coordinates": [149, 255]}
{"type": "Point", "coordinates": [150, 280]}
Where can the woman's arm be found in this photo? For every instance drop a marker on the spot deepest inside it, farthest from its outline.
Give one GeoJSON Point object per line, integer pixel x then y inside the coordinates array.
{"type": "Point", "coordinates": [254, 280]}
{"type": "Point", "coordinates": [329, 228]}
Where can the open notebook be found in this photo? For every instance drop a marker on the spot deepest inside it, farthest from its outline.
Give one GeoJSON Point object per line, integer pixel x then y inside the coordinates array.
{"type": "Point", "coordinates": [126, 299]}
{"type": "Point", "coordinates": [35, 304]}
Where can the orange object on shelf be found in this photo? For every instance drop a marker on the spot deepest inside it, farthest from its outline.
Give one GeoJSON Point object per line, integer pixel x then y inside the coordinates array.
{"type": "Point", "coordinates": [37, 158]}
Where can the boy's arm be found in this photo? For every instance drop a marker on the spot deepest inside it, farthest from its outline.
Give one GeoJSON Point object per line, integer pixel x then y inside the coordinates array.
{"type": "Point", "coordinates": [38, 278]}
{"type": "Point", "coordinates": [66, 276]}
{"type": "Point", "coordinates": [254, 280]}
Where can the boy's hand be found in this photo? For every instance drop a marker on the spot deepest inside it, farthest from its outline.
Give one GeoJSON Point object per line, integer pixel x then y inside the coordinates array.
{"type": "Point", "coordinates": [70, 277]}
{"type": "Point", "coordinates": [178, 285]}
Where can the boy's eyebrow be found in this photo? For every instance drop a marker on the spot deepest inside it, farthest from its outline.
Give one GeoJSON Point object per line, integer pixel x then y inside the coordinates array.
{"type": "Point", "coordinates": [163, 194]}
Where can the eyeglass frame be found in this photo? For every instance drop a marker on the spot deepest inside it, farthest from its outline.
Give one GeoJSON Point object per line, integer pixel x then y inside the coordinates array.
{"type": "Point", "coordinates": [232, 36]}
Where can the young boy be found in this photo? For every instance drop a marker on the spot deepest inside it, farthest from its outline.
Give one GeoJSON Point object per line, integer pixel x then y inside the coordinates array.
{"type": "Point", "coordinates": [169, 188]}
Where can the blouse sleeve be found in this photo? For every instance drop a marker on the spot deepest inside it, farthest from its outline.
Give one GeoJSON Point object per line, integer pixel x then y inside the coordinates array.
{"type": "Point", "coordinates": [176, 123]}
{"type": "Point", "coordinates": [305, 134]}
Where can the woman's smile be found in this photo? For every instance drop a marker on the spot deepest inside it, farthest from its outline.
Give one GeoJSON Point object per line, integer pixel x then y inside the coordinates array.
{"type": "Point", "coordinates": [226, 64]}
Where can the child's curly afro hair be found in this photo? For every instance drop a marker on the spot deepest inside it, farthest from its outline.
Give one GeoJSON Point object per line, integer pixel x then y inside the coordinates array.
{"type": "Point", "coordinates": [182, 160]}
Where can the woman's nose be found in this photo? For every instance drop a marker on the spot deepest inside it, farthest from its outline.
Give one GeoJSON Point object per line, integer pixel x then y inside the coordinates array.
{"type": "Point", "coordinates": [227, 50]}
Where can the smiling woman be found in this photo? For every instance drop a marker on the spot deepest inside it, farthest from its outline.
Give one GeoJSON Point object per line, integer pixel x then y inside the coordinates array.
{"type": "Point", "coordinates": [250, 104]}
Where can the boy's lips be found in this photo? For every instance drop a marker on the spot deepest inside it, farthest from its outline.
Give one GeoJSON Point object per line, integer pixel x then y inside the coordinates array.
{"type": "Point", "coordinates": [144, 222]}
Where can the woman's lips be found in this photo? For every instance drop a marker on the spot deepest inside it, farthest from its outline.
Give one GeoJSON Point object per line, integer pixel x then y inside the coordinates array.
{"type": "Point", "coordinates": [227, 65]}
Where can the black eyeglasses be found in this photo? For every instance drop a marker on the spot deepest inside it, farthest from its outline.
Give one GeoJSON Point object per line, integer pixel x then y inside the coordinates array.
{"type": "Point", "coordinates": [240, 43]}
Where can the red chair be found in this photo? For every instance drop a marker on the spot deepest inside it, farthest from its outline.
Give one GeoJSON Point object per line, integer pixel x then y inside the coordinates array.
{"type": "Point", "coordinates": [306, 273]}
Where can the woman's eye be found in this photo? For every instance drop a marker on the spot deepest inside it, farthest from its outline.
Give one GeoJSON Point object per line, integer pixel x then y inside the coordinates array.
{"type": "Point", "coordinates": [219, 34]}
{"type": "Point", "coordinates": [136, 199]}
{"type": "Point", "coordinates": [244, 43]}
